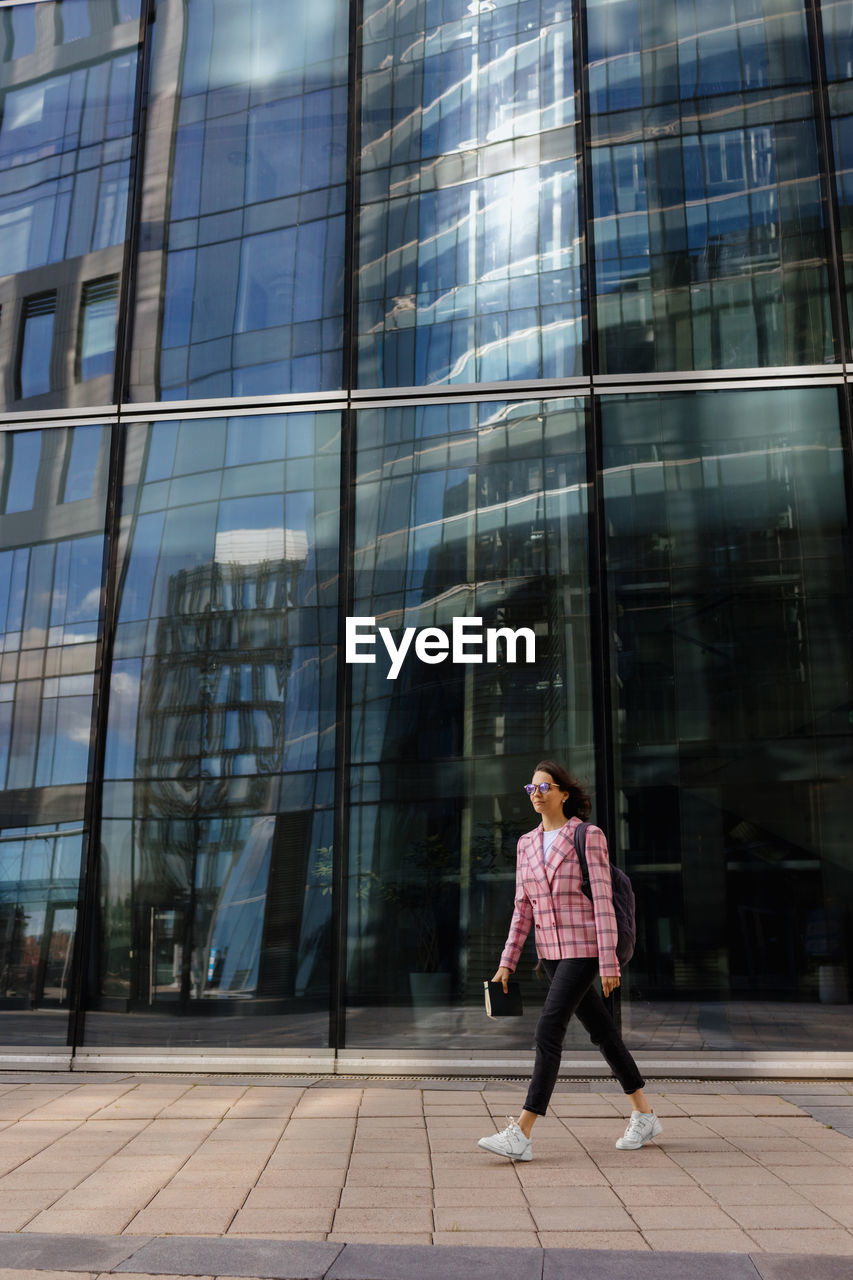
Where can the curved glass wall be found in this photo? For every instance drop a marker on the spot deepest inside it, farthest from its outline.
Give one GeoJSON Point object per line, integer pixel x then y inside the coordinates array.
{"type": "Point", "coordinates": [67, 140]}
{"type": "Point", "coordinates": [728, 582]}
{"type": "Point", "coordinates": [709, 229]}
{"type": "Point", "coordinates": [53, 486]}
{"type": "Point", "coordinates": [241, 253]}
{"type": "Point", "coordinates": [469, 248]}
{"type": "Point", "coordinates": [215, 869]}
{"type": "Point", "coordinates": [472, 512]}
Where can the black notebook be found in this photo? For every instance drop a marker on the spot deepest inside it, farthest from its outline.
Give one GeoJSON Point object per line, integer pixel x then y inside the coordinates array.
{"type": "Point", "coordinates": [501, 1004]}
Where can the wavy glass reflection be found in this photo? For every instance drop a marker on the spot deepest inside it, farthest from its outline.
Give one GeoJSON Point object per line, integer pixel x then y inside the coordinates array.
{"type": "Point", "coordinates": [216, 844]}
{"type": "Point", "coordinates": [52, 509]}
{"type": "Point", "coordinates": [67, 86]}
{"type": "Point", "coordinates": [241, 288]}
{"type": "Point", "coordinates": [462, 511]}
{"type": "Point", "coordinates": [726, 528]}
{"type": "Point", "coordinates": [469, 245]}
{"type": "Point", "coordinates": [709, 226]}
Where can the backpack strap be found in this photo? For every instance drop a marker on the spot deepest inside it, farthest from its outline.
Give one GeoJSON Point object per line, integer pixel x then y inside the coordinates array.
{"type": "Point", "coordinates": [580, 850]}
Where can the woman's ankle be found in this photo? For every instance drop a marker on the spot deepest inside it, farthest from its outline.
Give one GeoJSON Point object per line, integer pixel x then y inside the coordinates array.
{"type": "Point", "coordinates": [526, 1121]}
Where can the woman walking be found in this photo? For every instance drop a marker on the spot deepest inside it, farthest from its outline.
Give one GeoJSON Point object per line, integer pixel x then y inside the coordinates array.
{"type": "Point", "coordinates": [576, 941]}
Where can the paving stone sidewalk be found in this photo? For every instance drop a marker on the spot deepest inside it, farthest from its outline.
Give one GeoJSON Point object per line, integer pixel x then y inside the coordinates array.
{"type": "Point", "coordinates": [369, 1180]}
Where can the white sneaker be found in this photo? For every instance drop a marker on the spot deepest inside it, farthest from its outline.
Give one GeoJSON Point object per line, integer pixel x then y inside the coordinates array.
{"type": "Point", "coordinates": [642, 1127]}
{"type": "Point", "coordinates": [510, 1142]}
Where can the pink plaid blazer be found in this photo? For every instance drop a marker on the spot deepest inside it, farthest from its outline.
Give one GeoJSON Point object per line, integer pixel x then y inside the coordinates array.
{"type": "Point", "coordinates": [549, 897]}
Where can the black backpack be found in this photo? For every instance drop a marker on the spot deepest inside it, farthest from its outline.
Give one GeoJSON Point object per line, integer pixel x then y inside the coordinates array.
{"type": "Point", "coordinates": [624, 904]}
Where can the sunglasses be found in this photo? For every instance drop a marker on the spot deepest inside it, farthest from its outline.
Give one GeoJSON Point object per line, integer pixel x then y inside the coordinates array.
{"type": "Point", "coordinates": [543, 787]}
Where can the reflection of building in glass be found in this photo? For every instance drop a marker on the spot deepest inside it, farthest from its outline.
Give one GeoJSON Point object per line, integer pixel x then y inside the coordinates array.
{"type": "Point", "coordinates": [502, 537]}
{"type": "Point", "coordinates": [214, 706]}
{"type": "Point", "coordinates": [66, 146]}
{"type": "Point", "coordinates": [468, 230]}
{"type": "Point", "coordinates": [214, 701]}
{"type": "Point", "coordinates": [52, 500]}
{"type": "Point", "coordinates": [240, 286]}
{"type": "Point", "coordinates": [709, 220]}
{"type": "Point", "coordinates": [39, 873]}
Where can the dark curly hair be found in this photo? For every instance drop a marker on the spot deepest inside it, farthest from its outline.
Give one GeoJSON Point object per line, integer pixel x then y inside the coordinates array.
{"type": "Point", "coordinates": [577, 803]}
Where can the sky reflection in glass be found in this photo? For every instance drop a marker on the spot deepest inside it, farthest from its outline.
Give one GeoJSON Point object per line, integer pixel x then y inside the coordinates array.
{"type": "Point", "coordinates": [469, 250]}
{"type": "Point", "coordinates": [243, 291]}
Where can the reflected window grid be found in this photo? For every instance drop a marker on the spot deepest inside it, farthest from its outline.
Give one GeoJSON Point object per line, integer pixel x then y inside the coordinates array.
{"type": "Point", "coordinates": [50, 597]}
{"type": "Point", "coordinates": [67, 87]}
{"type": "Point", "coordinates": [254, 256]}
{"type": "Point", "coordinates": [470, 250]}
{"type": "Point", "coordinates": [709, 240]}
{"type": "Point", "coordinates": [477, 511]}
{"type": "Point", "coordinates": [222, 711]}
{"type": "Point", "coordinates": [39, 873]}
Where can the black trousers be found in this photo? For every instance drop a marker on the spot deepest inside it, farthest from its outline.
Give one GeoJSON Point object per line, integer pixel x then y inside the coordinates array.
{"type": "Point", "coordinates": [571, 991]}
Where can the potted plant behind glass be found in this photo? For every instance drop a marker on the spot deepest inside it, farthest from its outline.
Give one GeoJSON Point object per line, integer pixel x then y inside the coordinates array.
{"type": "Point", "coordinates": [824, 943]}
{"type": "Point", "coordinates": [417, 894]}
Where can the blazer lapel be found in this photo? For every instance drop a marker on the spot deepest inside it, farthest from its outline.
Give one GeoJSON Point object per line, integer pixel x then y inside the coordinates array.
{"type": "Point", "coordinates": [533, 853]}
{"type": "Point", "coordinates": [562, 848]}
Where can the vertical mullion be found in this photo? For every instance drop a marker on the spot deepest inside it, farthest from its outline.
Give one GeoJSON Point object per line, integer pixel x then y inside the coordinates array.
{"type": "Point", "coordinates": [598, 612]}
{"type": "Point", "coordinates": [85, 939]}
{"type": "Point", "coordinates": [602, 720]}
{"type": "Point", "coordinates": [346, 542]}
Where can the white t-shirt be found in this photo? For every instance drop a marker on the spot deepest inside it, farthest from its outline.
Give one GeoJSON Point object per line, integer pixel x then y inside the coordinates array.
{"type": "Point", "coordinates": [548, 838]}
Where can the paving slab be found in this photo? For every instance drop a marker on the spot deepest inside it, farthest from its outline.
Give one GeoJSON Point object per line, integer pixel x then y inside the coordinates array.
{"type": "Point", "coordinates": [786, 1266]}
{"type": "Point", "coordinates": [580, 1264]}
{"type": "Point", "coordinates": [597, 1240]}
{"type": "Point", "coordinates": [51, 1275]}
{"type": "Point", "coordinates": [436, 1262]}
{"type": "Point", "coordinates": [193, 1256]}
{"type": "Point", "coordinates": [840, 1118]}
{"type": "Point", "coordinates": [19, 1251]}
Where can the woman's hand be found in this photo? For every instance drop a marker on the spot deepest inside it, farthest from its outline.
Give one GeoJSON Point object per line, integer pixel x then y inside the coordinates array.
{"type": "Point", "coordinates": [503, 976]}
{"type": "Point", "coordinates": [609, 983]}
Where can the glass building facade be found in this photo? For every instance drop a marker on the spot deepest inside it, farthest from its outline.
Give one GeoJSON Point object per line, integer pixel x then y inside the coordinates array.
{"type": "Point", "coordinates": [517, 330]}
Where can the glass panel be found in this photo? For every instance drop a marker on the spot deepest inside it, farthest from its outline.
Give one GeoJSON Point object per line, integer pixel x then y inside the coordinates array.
{"type": "Point", "coordinates": [726, 530]}
{"type": "Point", "coordinates": [241, 290]}
{"type": "Point", "coordinates": [51, 563]}
{"type": "Point", "coordinates": [709, 223]}
{"type": "Point", "coordinates": [469, 245]}
{"type": "Point", "coordinates": [98, 327]}
{"type": "Point", "coordinates": [20, 24]}
{"type": "Point", "coordinates": [838, 43]}
{"type": "Point", "coordinates": [66, 140]}
{"type": "Point", "coordinates": [74, 16]}
{"type": "Point", "coordinates": [39, 873]}
{"type": "Point", "coordinates": [22, 456]}
{"type": "Point", "coordinates": [465, 515]}
{"type": "Point", "coordinates": [216, 863]}
{"type": "Point", "coordinates": [36, 346]}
